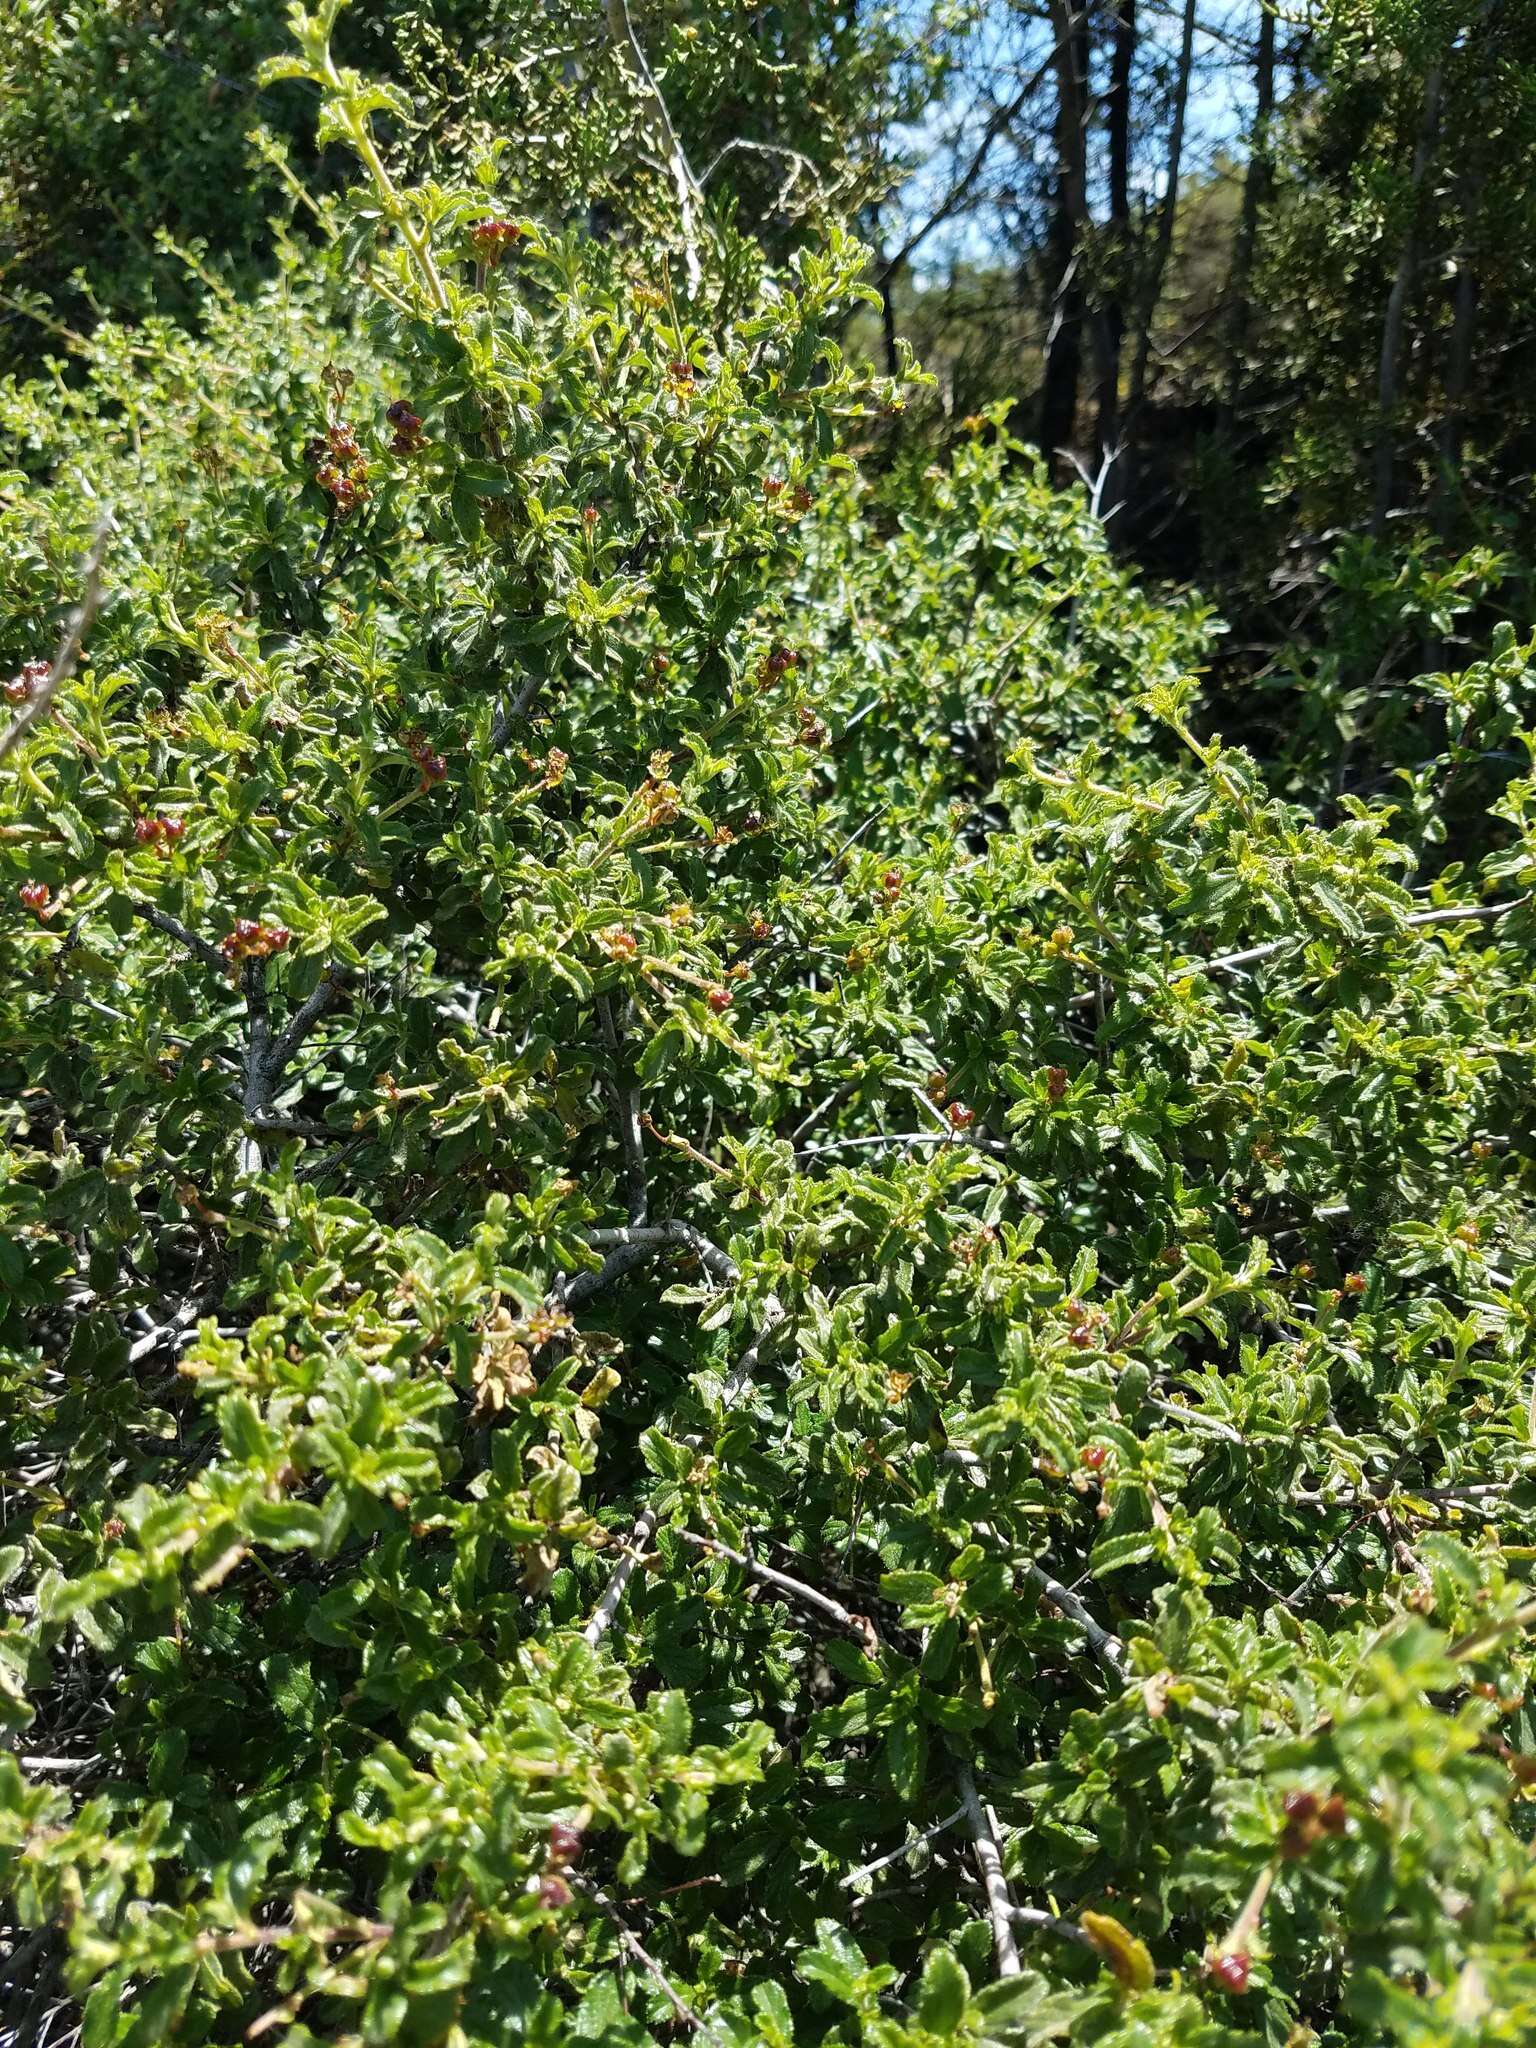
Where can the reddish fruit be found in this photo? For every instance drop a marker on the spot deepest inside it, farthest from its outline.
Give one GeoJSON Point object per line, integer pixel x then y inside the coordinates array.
{"type": "Point", "coordinates": [1333, 1817]}
{"type": "Point", "coordinates": [961, 1117]}
{"type": "Point", "coordinates": [490, 238]}
{"type": "Point", "coordinates": [1231, 1972]}
{"type": "Point", "coordinates": [554, 1892]}
{"type": "Point", "coordinates": [146, 830]}
{"type": "Point", "coordinates": [1301, 1806]}
{"type": "Point", "coordinates": [433, 768]}
{"type": "Point", "coordinates": [1055, 1082]}
{"type": "Point", "coordinates": [34, 896]}
{"type": "Point", "coordinates": [173, 828]}
{"type": "Point", "coordinates": [719, 999]}
{"type": "Point", "coordinates": [772, 485]}
{"type": "Point", "coordinates": [761, 929]}
{"type": "Point", "coordinates": [589, 517]}
{"type": "Point", "coordinates": [660, 663]}
{"type": "Point", "coordinates": [1354, 1283]}
{"type": "Point", "coordinates": [1094, 1456]}
{"type": "Point", "coordinates": [564, 1843]}
{"type": "Point", "coordinates": [1082, 1337]}
{"type": "Point", "coordinates": [891, 881]}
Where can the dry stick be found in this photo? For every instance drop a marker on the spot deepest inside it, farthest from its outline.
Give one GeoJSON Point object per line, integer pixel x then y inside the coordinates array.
{"type": "Point", "coordinates": [797, 1589]}
{"type": "Point", "coordinates": [631, 1943]}
{"type": "Point", "coordinates": [63, 664]}
{"type": "Point", "coordinates": [990, 1862]}
{"type": "Point", "coordinates": [912, 1842]}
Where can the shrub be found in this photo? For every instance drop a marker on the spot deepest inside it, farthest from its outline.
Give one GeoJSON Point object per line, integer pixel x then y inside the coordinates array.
{"type": "Point", "coordinates": [716, 1244]}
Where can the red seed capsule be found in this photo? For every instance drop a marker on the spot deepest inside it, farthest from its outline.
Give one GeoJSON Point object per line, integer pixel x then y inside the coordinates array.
{"type": "Point", "coordinates": [1232, 1973]}
{"type": "Point", "coordinates": [564, 1843]}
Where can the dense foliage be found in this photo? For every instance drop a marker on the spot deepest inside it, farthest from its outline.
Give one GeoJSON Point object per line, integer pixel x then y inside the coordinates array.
{"type": "Point", "coordinates": [741, 1299]}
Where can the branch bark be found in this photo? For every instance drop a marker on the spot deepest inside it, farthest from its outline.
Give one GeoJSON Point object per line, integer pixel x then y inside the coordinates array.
{"type": "Point", "coordinates": [989, 1861]}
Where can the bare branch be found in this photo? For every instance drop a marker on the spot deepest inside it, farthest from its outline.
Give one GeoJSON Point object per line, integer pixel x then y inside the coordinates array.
{"type": "Point", "coordinates": [507, 714]}
{"type": "Point", "coordinates": [856, 1624]}
{"type": "Point", "coordinates": [63, 664]}
{"type": "Point", "coordinates": [645, 1237]}
{"type": "Point", "coordinates": [1230, 963]}
{"type": "Point", "coordinates": [634, 1549]}
{"type": "Point", "coordinates": [989, 1861]}
{"type": "Point", "coordinates": [648, 1963]}
{"type": "Point", "coordinates": [1107, 1648]}
{"type": "Point", "coordinates": [173, 929]}
{"type": "Point", "coordinates": [621, 33]}
{"type": "Point", "coordinates": [950, 1137]}
{"type": "Point", "coordinates": [912, 1842]}
{"type": "Point", "coordinates": [327, 993]}
{"type": "Point", "coordinates": [645, 1522]}
{"type": "Point", "coordinates": [1048, 1923]}
{"type": "Point", "coordinates": [628, 1107]}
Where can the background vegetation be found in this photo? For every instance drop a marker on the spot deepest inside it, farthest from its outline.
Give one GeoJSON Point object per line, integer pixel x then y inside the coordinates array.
{"type": "Point", "coordinates": [765, 1116]}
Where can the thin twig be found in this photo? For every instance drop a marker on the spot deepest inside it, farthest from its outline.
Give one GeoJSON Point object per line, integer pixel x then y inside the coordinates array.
{"type": "Point", "coordinates": [621, 32]}
{"type": "Point", "coordinates": [1230, 963]}
{"type": "Point", "coordinates": [631, 1943]}
{"type": "Point", "coordinates": [989, 1861]}
{"type": "Point", "coordinates": [645, 1522]}
{"type": "Point", "coordinates": [1048, 1923]}
{"type": "Point", "coordinates": [62, 666]}
{"type": "Point", "coordinates": [912, 1842]}
{"type": "Point", "coordinates": [856, 1624]}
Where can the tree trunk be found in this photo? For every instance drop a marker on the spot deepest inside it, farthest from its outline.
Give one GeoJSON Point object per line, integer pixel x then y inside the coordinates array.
{"type": "Point", "coordinates": [1166, 217]}
{"type": "Point", "coordinates": [1117, 119]}
{"type": "Point", "coordinates": [1458, 364]}
{"type": "Point", "coordinates": [1257, 185]}
{"type": "Point", "coordinates": [1390, 368]}
{"type": "Point", "coordinates": [1063, 287]}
